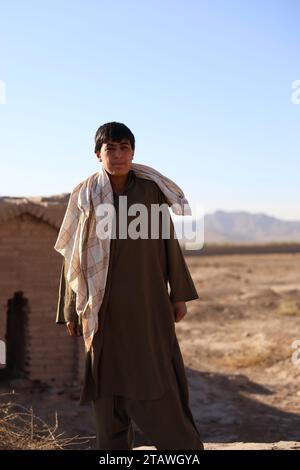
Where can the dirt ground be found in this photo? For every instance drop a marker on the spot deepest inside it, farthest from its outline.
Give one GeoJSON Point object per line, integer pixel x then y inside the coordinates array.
{"type": "Point", "coordinates": [236, 341]}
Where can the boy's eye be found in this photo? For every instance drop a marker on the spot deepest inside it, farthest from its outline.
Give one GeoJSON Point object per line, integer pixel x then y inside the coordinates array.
{"type": "Point", "coordinates": [123, 147]}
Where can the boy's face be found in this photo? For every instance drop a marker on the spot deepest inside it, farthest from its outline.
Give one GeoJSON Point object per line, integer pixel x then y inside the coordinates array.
{"type": "Point", "coordinates": [116, 157]}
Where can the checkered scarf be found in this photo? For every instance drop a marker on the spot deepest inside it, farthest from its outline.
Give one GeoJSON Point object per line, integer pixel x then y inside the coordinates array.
{"type": "Point", "coordinates": [87, 255]}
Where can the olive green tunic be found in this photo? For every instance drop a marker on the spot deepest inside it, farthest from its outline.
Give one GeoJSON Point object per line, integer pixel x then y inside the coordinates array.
{"type": "Point", "coordinates": [136, 344]}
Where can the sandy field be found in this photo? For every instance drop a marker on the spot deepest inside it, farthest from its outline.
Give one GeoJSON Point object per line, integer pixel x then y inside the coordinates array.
{"type": "Point", "coordinates": [236, 341]}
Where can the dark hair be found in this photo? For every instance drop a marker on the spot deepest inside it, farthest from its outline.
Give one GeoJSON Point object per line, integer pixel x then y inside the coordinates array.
{"type": "Point", "coordinates": [113, 131]}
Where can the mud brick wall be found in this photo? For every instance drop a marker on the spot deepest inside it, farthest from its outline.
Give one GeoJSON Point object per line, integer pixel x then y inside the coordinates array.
{"type": "Point", "coordinates": [29, 263]}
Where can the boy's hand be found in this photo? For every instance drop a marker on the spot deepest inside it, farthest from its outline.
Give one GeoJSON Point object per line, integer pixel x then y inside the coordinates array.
{"type": "Point", "coordinates": [180, 310]}
{"type": "Point", "coordinates": [73, 328]}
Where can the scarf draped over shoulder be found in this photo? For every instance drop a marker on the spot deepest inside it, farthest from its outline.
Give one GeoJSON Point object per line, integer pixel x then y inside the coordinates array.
{"type": "Point", "coordinates": [87, 255]}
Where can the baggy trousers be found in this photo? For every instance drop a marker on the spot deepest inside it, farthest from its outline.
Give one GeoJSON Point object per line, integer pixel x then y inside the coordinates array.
{"type": "Point", "coordinates": [163, 421]}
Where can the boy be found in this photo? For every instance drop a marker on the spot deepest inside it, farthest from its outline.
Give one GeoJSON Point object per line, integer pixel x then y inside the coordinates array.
{"type": "Point", "coordinates": [134, 369]}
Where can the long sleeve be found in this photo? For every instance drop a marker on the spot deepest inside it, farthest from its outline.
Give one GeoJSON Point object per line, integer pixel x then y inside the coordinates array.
{"type": "Point", "coordinates": [180, 280]}
{"type": "Point", "coordinates": [181, 283]}
{"type": "Point", "coordinates": [66, 307]}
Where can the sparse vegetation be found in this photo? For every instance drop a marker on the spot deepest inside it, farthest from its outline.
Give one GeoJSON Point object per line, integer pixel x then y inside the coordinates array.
{"type": "Point", "coordinates": [258, 357]}
{"type": "Point", "coordinates": [20, 429]}
{"type": "Point", "coordinates": [289, 307]}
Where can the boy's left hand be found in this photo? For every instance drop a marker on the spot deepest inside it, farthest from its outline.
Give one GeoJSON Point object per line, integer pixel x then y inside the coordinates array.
{"type": "Point", "coordinates": [180, 310]}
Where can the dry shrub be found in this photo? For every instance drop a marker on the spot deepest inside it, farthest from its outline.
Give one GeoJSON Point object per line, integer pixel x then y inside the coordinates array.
{"type": "Point", "coordinates": [21, 429]}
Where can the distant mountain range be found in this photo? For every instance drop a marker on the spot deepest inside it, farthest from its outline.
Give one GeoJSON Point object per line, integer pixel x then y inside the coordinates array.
{"type": "Point", "coordinates": [244, 227]}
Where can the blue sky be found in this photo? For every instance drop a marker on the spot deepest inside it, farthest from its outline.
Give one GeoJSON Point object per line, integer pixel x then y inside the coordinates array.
{"type": "Point", "coordinates": [205, 86]}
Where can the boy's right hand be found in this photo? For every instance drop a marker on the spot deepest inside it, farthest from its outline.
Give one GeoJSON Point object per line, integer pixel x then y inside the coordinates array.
{"type": "Point", "coordinates": [73, 328]}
